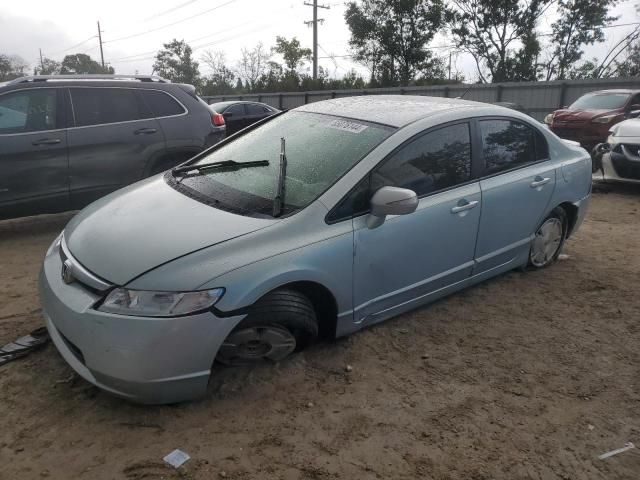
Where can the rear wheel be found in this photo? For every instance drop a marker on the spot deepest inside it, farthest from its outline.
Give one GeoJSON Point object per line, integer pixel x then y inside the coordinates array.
{"type": "Point", "coordinates": [277, 325]}
{"type": "Point", "coordinates": [548, 240]}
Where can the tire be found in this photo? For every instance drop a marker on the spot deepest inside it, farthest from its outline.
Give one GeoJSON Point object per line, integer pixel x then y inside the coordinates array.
{"type": "Point", "coordinates": [548, 240]}
{"type": "Point", "coordinates": [278, 324]}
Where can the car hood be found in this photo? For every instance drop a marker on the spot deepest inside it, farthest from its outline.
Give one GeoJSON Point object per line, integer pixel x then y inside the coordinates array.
{"type": "Point", "coordinates": [138, 228]}
{"type": "Point", "coordinates": [579, 115]}
{"type": "Point", "coordinates": [627, 128]}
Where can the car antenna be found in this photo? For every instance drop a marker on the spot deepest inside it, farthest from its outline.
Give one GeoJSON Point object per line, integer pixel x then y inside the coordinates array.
{"type": "Point", "coordinates": [278, 202]}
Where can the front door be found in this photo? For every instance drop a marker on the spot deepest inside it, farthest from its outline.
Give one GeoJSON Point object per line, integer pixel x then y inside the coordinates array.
{"type": "Point", "coordinates": [235, 117]}
{"type": "Point", "coordinates": [516, 190]}
{"type": "Point", "coordinates": [410, 259]}
{"type": "Point", "coordinates": [33, 153]}
{"type": "Point", "coordinates": [114, 138]}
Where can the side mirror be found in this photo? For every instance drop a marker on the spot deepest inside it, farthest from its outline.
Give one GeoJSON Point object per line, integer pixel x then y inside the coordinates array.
{"type": "Point", "coordinates": [634, 111]}
{"type": "Point", "coordinates": [391, 201]}
{"type": "Point", "coordinates": [227, 114]}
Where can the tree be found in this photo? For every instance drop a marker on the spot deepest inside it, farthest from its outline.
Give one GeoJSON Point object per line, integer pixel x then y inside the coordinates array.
{"type": "Point", "coordinates": [48, 67]}
{"type": "Point", "coordinates": [500, 35]}
{"type": "Point", "coordinates": [220, 81]}
{"type": "Point", "coordinates": [79, 63]}
{"type": "Point", "coordinates": [580, 23]}
{"type": "Point", "coordinates": [391, 37]}
{"type": "Point", "coordinates": [293, 54]}
{"type": "Point", "coordinates": [175, 62]}
{"type": "Point", "coordinates": [11, 67]}
{"type": "Point", "coordinates": [252, 65]}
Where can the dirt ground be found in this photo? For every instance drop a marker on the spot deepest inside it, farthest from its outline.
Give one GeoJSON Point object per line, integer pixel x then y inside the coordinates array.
{"type": "Point", "coordinates": [528, 376]}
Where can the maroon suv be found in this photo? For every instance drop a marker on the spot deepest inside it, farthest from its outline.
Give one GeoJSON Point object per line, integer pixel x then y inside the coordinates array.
{"type": "Point", "coordinates": [589, 119]}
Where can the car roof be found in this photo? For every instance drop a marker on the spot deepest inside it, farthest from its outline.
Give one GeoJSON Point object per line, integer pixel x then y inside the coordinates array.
{"type": "Point", "coordinates": [613, 90]}
{"type": "Point", "coordinates": [392, 110]}
{"type": "Point", "coordinates": [236, 102]}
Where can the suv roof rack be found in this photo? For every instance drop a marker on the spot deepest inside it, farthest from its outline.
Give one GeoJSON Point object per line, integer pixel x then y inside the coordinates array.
{"type": "Point", "coordinates": [48, 78]}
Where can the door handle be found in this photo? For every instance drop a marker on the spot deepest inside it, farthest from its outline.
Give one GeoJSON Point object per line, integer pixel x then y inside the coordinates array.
{"type": "Point", "coordinates": [145, 131]}
{"type": "Point", "coordinates": [46, 141]}
{"type": "Point", "coordinates": [539, 181]}
{"type": "Point", "coordinates": [466, 206]}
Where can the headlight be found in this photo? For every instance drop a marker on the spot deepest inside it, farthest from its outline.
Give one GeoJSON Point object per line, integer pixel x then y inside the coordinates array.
{"type": "Point", "coordinates": [158, 304]}
{"type": "Point", "coordinates": [605, 119]}
{"type": "Point", "coordinates": [548, 119]}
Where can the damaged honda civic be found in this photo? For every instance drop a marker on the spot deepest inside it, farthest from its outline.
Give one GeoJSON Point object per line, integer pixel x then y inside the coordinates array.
{"type": "Point", "coordinates": [316, 222]}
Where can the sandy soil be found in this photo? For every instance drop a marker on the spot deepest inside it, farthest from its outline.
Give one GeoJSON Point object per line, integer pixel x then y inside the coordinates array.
{"type": "Point", "coordinates": [528, 376]}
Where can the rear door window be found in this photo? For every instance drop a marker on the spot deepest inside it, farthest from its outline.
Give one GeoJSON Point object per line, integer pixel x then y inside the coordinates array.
{"type": "Point", "coordinates": [97, 106]}
{"type": "Point", "coordinates": [253, 109]}
{"type": "Point", "coordinates": [236, 110]}
{"type": "Point", "coordinates": [28, 111]}
{"type": "Point", "coordinates": [508, 144]}
{"type": "Point", "coordinates": [162, 104]}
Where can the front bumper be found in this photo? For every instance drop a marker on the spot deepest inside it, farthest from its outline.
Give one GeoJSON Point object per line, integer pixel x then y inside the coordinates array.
{"type": "Point", "coordinates": [143, 359]}
{"type": "Point", "coordinates": [623, 168]}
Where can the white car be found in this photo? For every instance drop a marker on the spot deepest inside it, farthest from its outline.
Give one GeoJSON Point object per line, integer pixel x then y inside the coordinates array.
{"type": "Point", "coordinates": [621, 154]}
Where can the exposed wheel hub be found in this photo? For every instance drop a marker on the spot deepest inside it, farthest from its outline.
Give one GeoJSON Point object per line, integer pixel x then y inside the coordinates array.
{"type": "Point", "coordinates": [253, 344]}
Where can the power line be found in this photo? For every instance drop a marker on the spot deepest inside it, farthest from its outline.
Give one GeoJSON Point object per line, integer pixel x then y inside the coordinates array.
{"type": "Point", "coordinates": [126, 37]}
{"type": "Point", "coordinates": [173, 9]}
{"type": "Point", "coordinates": [73, 46]}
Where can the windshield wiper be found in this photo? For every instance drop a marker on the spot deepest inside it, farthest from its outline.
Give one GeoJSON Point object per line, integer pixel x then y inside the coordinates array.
{"type": "Point", "coordinates": [278, 202]}
{"type": "Point", "coordinates": [222, 165]}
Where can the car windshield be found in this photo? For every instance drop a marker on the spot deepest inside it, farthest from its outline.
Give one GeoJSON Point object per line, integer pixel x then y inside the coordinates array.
{"type": "Point", "coordinates": [600, 101]}
{"type": "Point", "coordinates": [319, 150]}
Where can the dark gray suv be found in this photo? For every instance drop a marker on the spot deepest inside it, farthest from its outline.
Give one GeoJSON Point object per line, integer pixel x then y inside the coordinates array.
{"type": "Point", "coordinates": [67, 140]}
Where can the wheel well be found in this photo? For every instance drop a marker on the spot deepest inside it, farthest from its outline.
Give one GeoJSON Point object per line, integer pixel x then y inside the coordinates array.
{"type": "Point", "coordinates": [572, 215]}
{"type": "Point", "coordinates": [324, 304]}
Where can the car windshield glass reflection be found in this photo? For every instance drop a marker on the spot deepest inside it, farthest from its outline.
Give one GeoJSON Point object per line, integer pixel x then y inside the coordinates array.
{"type": "Point", "coordinates": [320, 149]}
{"type": "Point", "coordinates": [607, 101]}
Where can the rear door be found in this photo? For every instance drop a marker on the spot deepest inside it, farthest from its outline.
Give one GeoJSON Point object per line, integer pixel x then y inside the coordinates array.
{"type": "Point", "coordinates": [235, 117]}
{"type": "Point", "coordinates": [114, 136]}
{"type": "Point", "coordinates": [517, 185]}
{"type": "Point", "coordinates": [256, 113]}
{"type": "Point", "coordinates": [33, 152]}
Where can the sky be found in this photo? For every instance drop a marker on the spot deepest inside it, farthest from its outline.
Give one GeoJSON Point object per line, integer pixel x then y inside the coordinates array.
{"type": "Point", "coordinates": [133, 30]}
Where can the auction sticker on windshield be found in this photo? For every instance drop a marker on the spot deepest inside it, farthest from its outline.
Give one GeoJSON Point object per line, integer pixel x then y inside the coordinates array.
{"type": "Point", "coordinates": [348, 126]}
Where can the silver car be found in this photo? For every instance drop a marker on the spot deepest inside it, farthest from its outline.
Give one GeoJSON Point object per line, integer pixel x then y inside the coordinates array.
{"type": "Point", "coordinates": [319, 221]}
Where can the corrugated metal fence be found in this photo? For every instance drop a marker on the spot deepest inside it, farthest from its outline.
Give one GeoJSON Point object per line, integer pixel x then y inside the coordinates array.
{"type": "Point", "coordinates": [539, 98]}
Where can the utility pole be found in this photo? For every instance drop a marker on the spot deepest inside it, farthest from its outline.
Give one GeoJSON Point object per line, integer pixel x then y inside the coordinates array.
{"type": "Point", "coordinates": [450, 65]}
{"type": "Point", "coordinates": [41, 62]}
{"type": "Point", "coordinates": [314, 23]}
{"type": "Point", "coordinates": [100, 40]}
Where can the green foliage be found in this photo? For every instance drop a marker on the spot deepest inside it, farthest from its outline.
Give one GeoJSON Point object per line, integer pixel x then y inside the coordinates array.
{"type": "Point", "coordinates": [48, 67]}
{"type": "Point", "coordinates": [293, 54]}
{"type": "Point", "coordinates": [79, 63]}
{"type": "Point", "coordinates": [220, 80]}
{"type": "Point", "coordinates": [11, 67]}
{"type": "Point", "coordinates": [175, 63]}
{"type": "Point", "coordinates": [580, 23]}
{"type": "Point", "coordinates": [392, 38]}
{"type": "Point", "coordinates": [500, 35]}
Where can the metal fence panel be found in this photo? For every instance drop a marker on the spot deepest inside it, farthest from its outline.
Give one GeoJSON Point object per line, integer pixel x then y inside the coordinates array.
{"type": "Point", "coordinates": [539, 98]}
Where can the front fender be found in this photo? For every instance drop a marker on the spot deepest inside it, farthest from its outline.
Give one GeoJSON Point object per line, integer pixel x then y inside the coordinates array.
{"type": "Point", "coordinates": [328, 263]}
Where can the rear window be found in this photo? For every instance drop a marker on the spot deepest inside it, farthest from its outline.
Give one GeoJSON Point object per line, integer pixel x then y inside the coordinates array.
{"type": "Point", "coordinates": [253, 109]}
{"type": "Point", "coordinates": [96, 106]}
{"type": "Point", "coordinates": [600, 101]}
{"type": "Point", "coordinates": [162, 104]}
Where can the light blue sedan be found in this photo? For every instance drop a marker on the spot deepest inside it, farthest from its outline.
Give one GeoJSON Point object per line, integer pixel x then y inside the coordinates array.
{"type": "Point", "coordinates": [317, 221]}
